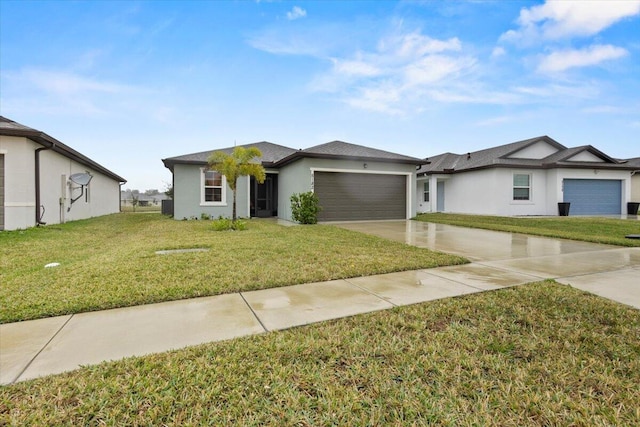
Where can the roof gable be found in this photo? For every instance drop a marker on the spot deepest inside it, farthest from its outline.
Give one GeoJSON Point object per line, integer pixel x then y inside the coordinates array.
{"type": "Point", "coordinates": [536, 149]}
{"type": "Point", "coordinates": [523, 154]}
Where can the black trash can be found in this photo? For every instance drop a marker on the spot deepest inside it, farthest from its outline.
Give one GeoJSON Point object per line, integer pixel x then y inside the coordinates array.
{"type": "Point", "coordinates": [563, 208]}
{"type": "Point", "coordinates": [632, 208]}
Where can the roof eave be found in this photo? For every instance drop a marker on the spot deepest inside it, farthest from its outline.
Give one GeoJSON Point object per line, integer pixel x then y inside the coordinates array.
{"type": "Point", "coordinates": [61, 148]}
{"type": "Point", "coordinates": [301, 154]}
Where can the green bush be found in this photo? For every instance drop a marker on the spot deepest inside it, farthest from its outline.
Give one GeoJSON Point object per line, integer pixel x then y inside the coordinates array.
{"type": "Point", "coordinates": [305, 207]}
{"type": "Point", "coordinates": [224, 224]}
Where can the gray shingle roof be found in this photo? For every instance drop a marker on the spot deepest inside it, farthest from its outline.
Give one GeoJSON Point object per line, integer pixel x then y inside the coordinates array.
{"type": "Point", "coordinates": [10, 128]}
{"type": "Point", "coordinates": [500, 157]}
{"type": "Point", "coordinates": [635, 162]}
{"type": "Point", "coordinates": [277, 155]}
{"type": "Point", "coordinates": [271, 153]}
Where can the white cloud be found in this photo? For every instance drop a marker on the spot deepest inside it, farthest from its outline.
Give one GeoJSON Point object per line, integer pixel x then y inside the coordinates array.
{"type": "Point", "coordinates": [498, 52]}
{"type": "Point", "coordinates": [562, 19]}
{"type": "Point", "coordinates": [564, 59]}
{"type": "Point", "coordinates": [415, 45]}
{"type": "Point", "coordinates": [355, 67]}
{"type": "Point", "coordinates": [434, 68]}
{"type": "Point", "coordinates": [296, 13]}
{"type": "Point", "coordinates": [63, 92]}
{"type": "Point", "coordinates": [68, 84]}
{"type": "Point", "coordinates": [395, 75]}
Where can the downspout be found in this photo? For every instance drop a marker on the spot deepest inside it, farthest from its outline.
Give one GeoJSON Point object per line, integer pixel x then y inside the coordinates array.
{"type": "Point", "coordinates": [120, 196]}
{"type": "Point", "coordinates": [37, 175]}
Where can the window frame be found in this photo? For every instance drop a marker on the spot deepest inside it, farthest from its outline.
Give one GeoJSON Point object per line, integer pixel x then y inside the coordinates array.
{"type": "Point", "coordinates": [203, 188]}
{"type": "Point", "coordinates": [515, 187]}
{"type": "Point", "coordinates": [426, 194]}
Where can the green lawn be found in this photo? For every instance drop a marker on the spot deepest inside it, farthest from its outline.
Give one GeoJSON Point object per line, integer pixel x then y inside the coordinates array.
{"type": "Point", "coordinates": [111, 262]}
{"type": "Point", "coordinates": [592, 229]}
{"type": "Point", "coordinates": [538, 354]}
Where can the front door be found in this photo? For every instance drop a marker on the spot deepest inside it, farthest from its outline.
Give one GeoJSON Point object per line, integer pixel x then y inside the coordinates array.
{"type": "Point", "coordinates": [264, 197]}
{"type": "Point", "coordinates": [440, 199]}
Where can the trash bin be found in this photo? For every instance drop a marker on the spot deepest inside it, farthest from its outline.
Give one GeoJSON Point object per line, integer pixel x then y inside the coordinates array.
{"type": "Point", "coordinates": [632, 208]}
{"type": "Point", "coordinates": [563, 208]}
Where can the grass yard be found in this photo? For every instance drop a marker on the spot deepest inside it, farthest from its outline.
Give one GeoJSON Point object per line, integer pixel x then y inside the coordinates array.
{"type": "Point", "coordinates": [589, 229]}
{"type": "Point", "coordinates": [110, 261]}
{"type": "Point", "coordinates": [538, 354]}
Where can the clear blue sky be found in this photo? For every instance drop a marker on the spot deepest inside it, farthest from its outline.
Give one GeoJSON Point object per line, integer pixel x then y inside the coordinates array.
{"type": "Point", "coordinates": [128, 83]}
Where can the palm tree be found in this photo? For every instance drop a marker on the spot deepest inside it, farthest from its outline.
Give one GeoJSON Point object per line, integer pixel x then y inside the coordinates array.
{"type": "Point", "coordinates": [238, 163]}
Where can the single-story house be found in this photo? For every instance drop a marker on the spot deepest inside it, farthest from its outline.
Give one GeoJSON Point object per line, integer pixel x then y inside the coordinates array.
{"type": "Point", "coordinates": [43, 181]}
{"type": "Point", "coordinates": [352, 182]}
{"type": "Point", "coordinates": [527, 177]}
{"type": "Point", "coordinates": [635, 179]}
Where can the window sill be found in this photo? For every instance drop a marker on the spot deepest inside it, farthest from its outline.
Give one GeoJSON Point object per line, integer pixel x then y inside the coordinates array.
{"type": "Point", "coordinates": [213, 204]}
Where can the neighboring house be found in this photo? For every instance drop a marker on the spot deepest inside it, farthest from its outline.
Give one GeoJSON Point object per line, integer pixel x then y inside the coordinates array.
{"type": "Point", "coordinates": [528, 177]}
{"type": "Point", "coordinates": [352, 182]}
{"type": "Point", "coordinates": [43, 181]}
{"type": "Point", "coordinates": [126, 199]}
{"type": "Point", "coordinates": [635, 179]}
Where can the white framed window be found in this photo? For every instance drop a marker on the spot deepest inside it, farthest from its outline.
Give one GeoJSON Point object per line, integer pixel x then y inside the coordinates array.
{"type": "Point", "coordinates": [521, 186]}
{"type": "Point", "coordinates": [425, 192]}
{"type": "Point", "coordinates": [213, 188]}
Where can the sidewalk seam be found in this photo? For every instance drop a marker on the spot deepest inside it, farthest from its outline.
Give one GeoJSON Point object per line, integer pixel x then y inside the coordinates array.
{"type": "Point", "coordinates": [253, 311]}
{"type": "Point", "coordinates": [370, 292]}
{"type": "Point", "coordinates": [41, 350]}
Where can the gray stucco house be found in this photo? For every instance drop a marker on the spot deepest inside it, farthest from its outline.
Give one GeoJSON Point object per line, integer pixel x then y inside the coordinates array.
{"type": "Point", "coordinates": [352, 182]}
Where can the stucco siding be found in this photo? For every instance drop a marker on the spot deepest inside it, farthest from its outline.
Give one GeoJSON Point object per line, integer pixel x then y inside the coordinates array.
{"type": "Point", "coordinates": [100, 197]}
{"type": "Point", "coordinates": [20, 187]}
{"type": "Point", "coordinates": [19, 198]}
{"type": "Point", "coordinates": [293, 178]}
{"type": "Point", "coordinates": [297, 178]}
{"type": "Point", "coordinates": [635, 188]}
{"type": "Point", "coordinates": [490, 192]}
{"type": "Point", "coordinates": [187, 181]}
{"type": "Point", "coordinates": [623, 176]}
{"type": "Point", "coordinates": [539, 150]}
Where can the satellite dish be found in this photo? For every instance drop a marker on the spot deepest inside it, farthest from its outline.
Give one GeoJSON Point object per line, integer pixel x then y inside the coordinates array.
{"type": "Point", "coordinates": [81, 178]}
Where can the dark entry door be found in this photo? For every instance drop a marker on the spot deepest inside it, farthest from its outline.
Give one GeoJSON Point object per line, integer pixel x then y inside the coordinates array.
{"type": "Point", "coordinates": [264, 197]}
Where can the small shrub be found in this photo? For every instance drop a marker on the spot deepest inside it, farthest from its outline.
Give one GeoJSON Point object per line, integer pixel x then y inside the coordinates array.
{"type": "Point", "coordinates": [305, 207]}
{"type": "Point", "coordinates": [225, 224]}
{"type": "Point", "coordinates": [205, 216]}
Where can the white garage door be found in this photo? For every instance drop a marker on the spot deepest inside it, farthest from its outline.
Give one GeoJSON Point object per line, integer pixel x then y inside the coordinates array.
{"type": "Point", "coordinates": [593, 196]}
{"type": "Point", "coordinates": [360, 196]}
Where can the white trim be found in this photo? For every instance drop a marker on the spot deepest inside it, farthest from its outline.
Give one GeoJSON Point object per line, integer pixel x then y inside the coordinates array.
{"type": "Point", "coordinates": [376, 172]}
{"type": "Point", "coordinates": [19, 204]}
{"type": "Point", "coordinates": [224, 190]}
{"type": "Point", "coordinates": [3, 151]}
{"type": "Point", "coordinates": [527, 201]}
{"type": "Point", "coordinates": [248, 196]}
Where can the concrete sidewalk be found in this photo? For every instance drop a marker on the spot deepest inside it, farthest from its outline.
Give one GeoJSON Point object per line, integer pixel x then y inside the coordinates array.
{"type": "Point", "coordinates": [48, 346]}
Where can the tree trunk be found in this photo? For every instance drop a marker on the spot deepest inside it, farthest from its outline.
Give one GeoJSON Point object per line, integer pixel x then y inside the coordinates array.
{"type": "Point", "coordinates": [234, 204]}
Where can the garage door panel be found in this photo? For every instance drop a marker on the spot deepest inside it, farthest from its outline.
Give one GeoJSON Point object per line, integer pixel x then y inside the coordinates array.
{"type": "Point", "coordinates": [593, 196]}
{"type": "Point", "coordinates": [352, 196]}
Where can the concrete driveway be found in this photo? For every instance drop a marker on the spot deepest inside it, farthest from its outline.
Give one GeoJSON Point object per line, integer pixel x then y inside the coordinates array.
{"type": "Point", "coordinates": [608, 271]}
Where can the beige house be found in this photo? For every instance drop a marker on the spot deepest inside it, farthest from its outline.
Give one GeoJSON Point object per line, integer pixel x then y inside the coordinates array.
{"type": "Point", "coordinates": [43, 181]}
